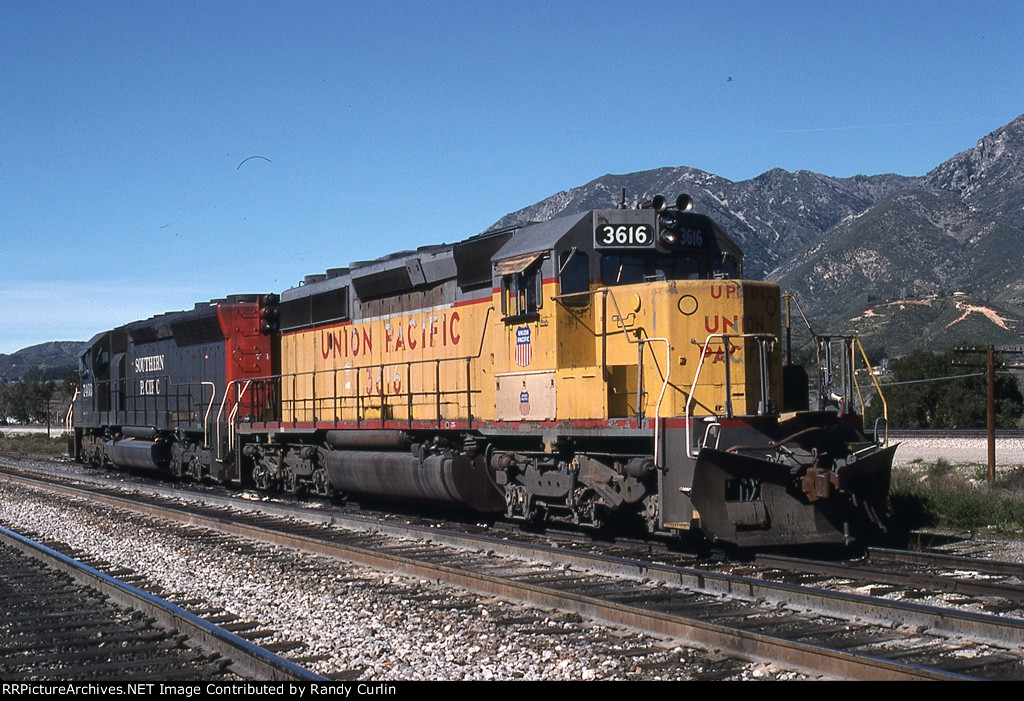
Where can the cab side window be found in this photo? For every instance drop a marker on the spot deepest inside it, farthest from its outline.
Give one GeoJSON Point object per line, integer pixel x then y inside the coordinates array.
{"type": "Point", "coordinates": [574, 278]}
{"type": "Point", "coordinates": [520, 294]}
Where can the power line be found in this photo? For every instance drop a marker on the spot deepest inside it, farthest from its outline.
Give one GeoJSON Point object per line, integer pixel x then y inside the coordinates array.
{"type": "Point", "coordinates": [934, 379]}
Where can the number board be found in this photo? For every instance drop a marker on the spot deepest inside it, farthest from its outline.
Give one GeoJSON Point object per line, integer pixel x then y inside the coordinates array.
{"type": "Point", "coordinates": [612, 235]}
{"type": "Point", "coordinates": [689, 238]}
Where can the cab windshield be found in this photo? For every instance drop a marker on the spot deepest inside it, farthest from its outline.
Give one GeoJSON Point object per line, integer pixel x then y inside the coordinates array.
{"type": "Point", "coordinates": [631, 268]}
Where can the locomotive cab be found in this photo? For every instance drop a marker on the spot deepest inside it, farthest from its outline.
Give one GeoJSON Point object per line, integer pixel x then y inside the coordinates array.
{"type": "Point", "coordinates": [632, 331]}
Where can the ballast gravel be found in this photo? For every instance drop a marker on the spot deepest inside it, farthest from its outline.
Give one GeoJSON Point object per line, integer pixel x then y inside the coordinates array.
{"type": "Point", "coordinates": [358, 623]}
{"type": "Point", "coordinates": [966, 450]}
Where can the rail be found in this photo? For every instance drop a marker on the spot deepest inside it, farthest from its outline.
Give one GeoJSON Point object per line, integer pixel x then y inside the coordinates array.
{"type": "Point", "coordinates": [69, 420]}
{"type": "Point", "coordinates": [763, 339]}
{"type": "Point", "coordinates": [640, 342]}
{"type": "Point", "coordinates": [281, 525]}
{"type": "Point", "coordinates": [351, 394]}
{"type": "Point", "coordinates": [162, 404]}
{"type": "Point", "coordinates": [246, 658]}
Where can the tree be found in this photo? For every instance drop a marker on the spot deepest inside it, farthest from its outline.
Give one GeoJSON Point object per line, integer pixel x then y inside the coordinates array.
{"type": "Point", "coordinates": [27, 400]}
{"type": "Point", "coordinates": [944, 403]}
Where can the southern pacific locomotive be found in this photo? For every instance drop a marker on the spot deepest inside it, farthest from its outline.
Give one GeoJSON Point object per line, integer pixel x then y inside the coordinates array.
{"type": "Point", "coordinates": [603, 367]}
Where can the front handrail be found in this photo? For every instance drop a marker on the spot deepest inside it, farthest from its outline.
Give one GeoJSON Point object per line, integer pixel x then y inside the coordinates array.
{"type": "Point", "coordinates": [69, 419]}
{"type": "Point", "coordinates": [232, 413]}
{"type": "Point", "coordinates": [206, 417]}
{"type": "Point", "coordinates": [232, 428]}
{"type": "Point", "coordinates": [878, 388]}
{"type": "Point", "coordinates": [726, 340]}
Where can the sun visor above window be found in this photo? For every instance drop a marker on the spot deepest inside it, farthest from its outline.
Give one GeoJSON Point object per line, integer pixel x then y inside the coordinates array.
{"type": "Point", "coordinates": [517, 264]}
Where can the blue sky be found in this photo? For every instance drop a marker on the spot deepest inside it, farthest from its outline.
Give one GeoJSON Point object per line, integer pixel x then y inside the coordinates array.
{"type": "Point", "coordinates": [388, 125]}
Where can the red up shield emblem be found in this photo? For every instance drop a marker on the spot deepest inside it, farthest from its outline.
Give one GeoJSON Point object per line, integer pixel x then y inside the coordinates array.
{"type": "Point", "coordinates": [524, 351]}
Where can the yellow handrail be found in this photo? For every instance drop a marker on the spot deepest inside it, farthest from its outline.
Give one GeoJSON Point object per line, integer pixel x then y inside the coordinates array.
{"type": "Point", "coordinates": [878, 387]}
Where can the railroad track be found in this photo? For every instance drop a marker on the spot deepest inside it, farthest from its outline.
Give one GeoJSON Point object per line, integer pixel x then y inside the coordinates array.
{"type": "Point", "coordinates": [803, 628]}
{"type": "Point", "coordinates": [64, 619]}
{"type": "Point", "coordinates": [889, 570]}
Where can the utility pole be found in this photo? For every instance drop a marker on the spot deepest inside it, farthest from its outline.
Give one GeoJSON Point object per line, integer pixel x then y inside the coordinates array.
{"type": "Point", "coordinates": [990, 403]}
{"type": "Point", "coordinates": [990, 411]}
{"type": "Point", "coordinates": [789, 337]}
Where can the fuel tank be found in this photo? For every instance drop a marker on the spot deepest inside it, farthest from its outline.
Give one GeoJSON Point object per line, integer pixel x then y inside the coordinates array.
{"type": "Point", "coordinates": [445, 478]}
{"type": "Point", "coordinates": [134, 452]}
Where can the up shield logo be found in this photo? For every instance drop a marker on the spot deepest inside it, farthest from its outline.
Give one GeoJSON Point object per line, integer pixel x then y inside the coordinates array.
{"type": "Point", "coordinates": [524, 350]}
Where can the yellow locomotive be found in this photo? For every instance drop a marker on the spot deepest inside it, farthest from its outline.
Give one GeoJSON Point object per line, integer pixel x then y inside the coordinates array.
{"type": "Point", "coordinates": [612, 365]}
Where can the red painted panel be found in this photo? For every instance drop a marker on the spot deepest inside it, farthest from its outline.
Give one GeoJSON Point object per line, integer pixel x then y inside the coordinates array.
{"type": "Point", "coordinates": [248, 353]}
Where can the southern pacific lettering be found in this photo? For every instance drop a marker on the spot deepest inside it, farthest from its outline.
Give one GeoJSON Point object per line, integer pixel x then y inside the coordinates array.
{"type": "Point", "coordinates": [152, 363]}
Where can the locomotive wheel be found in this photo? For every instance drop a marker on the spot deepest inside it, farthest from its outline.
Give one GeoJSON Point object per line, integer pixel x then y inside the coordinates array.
{"type": "Point", "coordinates": [195, 468]}
{"type": "Point", "coordinates": [261, 477]}
{"type": "Point", "coordinates": [288, 480]}
{"type": "Point", "coordinates": [321, 484]}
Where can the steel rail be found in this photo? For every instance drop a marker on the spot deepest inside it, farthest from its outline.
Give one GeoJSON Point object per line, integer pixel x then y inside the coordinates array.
{"type": "Point", "coordinates": [888, 576]}
{"type": "Point", "coordinates": [998, 630]}
{"type": "Point", "coordinates": [805, 657]}
{"type": "Point", "coordinates": [246, 659]}
{"type": "Point", "coordinates": [913, 557]}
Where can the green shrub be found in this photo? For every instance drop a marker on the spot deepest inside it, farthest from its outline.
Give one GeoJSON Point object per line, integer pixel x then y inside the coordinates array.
{"type": "Point", "coordinates": [35, 443]}
{"type": "Point", "coordinates": [948, 497]}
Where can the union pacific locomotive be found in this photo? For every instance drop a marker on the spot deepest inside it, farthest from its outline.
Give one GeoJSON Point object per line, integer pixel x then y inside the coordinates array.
{"type": "Point", "coordinates": [604, 367]}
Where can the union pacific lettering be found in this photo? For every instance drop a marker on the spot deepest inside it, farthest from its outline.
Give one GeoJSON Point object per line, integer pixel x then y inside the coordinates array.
{"type": "Point", "coordinates": [415, 334]}
{"type": "Point", "coordinates": [735, 324]}
{"type": "Point", "coordinates": [736, 290]}
{"type": "Point", "coordinates": [346, 342]}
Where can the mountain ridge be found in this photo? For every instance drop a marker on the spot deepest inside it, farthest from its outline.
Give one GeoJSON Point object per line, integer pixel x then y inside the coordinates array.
{"type": "Point", "coordinates": [845, 244]}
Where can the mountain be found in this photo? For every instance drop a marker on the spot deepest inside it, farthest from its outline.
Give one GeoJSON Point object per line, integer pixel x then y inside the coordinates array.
{"type": "Point", "coordinates": [56, 359]}
{"type": "Point", "coordinates": [927, 260]}
{"type": "Point", "coordinates": [909, 245]}
{"type": "Point", "coordinates": [990, 176]}
{"type": "Point", "coordinates": [773, 216]}
{"type": "Point", "coordinates": [907, 261]}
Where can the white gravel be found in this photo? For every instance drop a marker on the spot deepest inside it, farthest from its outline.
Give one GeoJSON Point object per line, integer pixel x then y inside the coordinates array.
{"type": "Point", "coordinates": [366, 624]}
{"type": "Point", "coordinates": [972, 451]}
